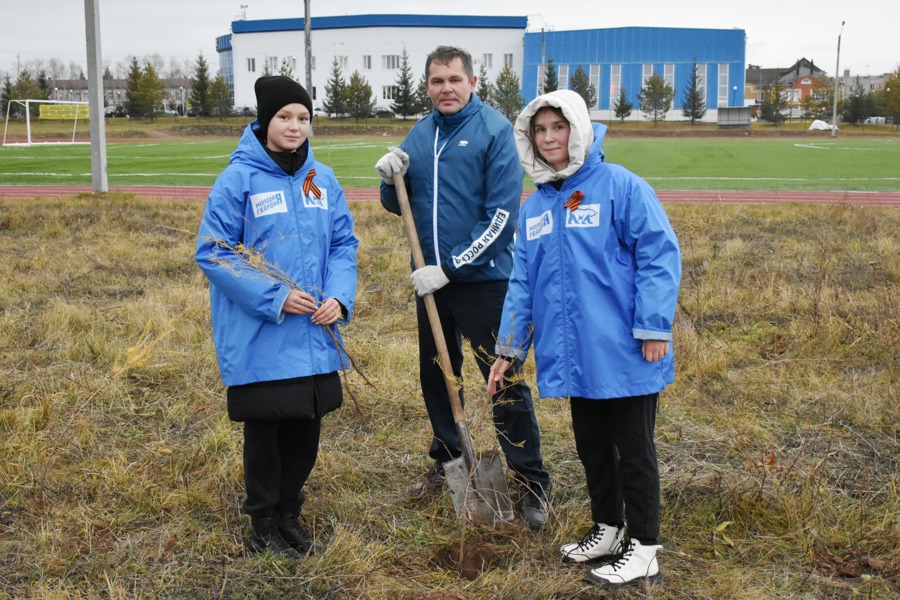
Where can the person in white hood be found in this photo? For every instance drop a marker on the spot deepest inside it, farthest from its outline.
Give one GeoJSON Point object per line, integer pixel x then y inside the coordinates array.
{"type": "Point", "coordinates": [594, 288]}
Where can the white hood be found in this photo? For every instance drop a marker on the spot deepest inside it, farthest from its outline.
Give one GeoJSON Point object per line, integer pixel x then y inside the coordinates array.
{"type": "Point", "coordinates": [580, 138]}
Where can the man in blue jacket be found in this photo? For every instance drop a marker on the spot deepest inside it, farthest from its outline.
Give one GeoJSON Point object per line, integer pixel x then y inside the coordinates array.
{"type": "Point", "coordinates": [464, 181]}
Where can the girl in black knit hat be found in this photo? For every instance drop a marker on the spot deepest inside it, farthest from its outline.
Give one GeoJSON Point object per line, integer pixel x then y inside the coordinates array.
{"type": "Point", "coordinates": [276, 358]}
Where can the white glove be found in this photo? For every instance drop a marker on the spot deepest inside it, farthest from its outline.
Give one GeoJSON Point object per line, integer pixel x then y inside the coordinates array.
{"type": "Point", "coordinates": [428, 279]}
{"type": "Point", "coordinates": [395, 161]}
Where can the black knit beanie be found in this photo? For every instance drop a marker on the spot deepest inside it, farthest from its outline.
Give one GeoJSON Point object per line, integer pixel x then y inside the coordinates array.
{"type": "Point", "coordinates": [273, 92]}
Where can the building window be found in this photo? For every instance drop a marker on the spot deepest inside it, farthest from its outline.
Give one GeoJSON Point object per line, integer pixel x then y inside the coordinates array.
{"type": "Point", "coordinates": [646, 74]}
{"type": "Point", "coordinates": [314, 93]}
{"type": "Point", "coordinates": [563, 77]}
{"type": "Point", "coordinates": [367, 62]}
{"type": "Point", "coordinates": [701, 77]}
{"type": "Point", "coordinates": [615, 82]}
{"type": "Point", "coordinates": [389, 92]}
{"type": "Point", "coordinates": [595, 81]}
{"type": "Point", "coordinates": [272, 64]}
{"type": "Point", "coordinates": [251, 65]}
{"type": "Point", "coordinates": [342, 61]}
{"type": "Point", "coordinates": [487, 60]}
{"type": "Point", "coordinates": [390, 62]}
{"type": "Point", "coordinates": [669, 74]}
{"type": "Point", "coordinates": [723, 85]}
{"type": "Point", "coordinates": [508, 60]}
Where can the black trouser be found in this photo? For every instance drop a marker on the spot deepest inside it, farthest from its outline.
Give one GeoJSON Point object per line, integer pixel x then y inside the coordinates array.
{"type": "Point", "coordinates": [473, 310]}
{"type": "Point", "coordinates": [278, 457]}
{"type": "Point", "coordinates": [614, 439]}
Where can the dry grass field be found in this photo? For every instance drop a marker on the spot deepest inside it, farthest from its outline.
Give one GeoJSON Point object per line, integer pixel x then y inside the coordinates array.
{"type": "Point", "coordinates": [120, 473]}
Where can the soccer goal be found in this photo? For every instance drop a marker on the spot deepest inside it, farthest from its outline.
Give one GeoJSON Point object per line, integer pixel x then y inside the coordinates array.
{"type": "Point", "coordinates": [48, 110]}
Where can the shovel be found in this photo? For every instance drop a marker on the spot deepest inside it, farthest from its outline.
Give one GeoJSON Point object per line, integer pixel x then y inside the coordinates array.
{"type": "Point", "coordinates": [477, 484]}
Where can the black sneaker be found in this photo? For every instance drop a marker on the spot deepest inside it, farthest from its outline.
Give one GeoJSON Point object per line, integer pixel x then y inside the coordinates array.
{"type": "Point", "coordinates": [534, 510]}
{"type": "Point", "coordinates": [266, 537]}
{"type": "Point", "coordinates": [295, 534]}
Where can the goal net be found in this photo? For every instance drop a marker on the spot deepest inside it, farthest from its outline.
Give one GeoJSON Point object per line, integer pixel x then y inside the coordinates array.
{"type": "Point", "coordinates": [43, 118]}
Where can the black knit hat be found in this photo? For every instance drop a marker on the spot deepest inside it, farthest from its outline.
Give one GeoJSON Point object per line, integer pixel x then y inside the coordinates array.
{"type": "Point", "coordinates": [273, 92]}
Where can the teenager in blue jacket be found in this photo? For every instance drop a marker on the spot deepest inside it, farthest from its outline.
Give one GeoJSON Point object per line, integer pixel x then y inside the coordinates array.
{"type": "Point", "coordinates": [278, 247]}
{"type": "Point", "coordinates": [464, 182]}
{"type": "Point", "coordinates": [593, 291]}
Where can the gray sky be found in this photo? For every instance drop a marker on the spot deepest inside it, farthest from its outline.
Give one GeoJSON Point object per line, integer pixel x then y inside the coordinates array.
{"type": "Point", "coordinates": [778, 32]}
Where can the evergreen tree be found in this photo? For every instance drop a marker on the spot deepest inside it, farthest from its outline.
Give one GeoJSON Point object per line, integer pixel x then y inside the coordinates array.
{"type": "Point", "coordinates": [220, 96]}
{"type": "Point", "coordinates": [858, 106]}
{"type": "Point", "coordinates": [485, 89]}
{"type": "Point", "coordinates": [358, 96]}
{"type": "Point", "coordinates": [135, 104]}
{"type": "Point", "coordinates": [507, 98]}
{"type": "Point", "coordinates": [423, 100]}
{"type": "Point", "coordinates": [107, 74]}
{"type": "Point", "coordinates": [551, 80]}
{"type": "Point", "coordinates": [6, 95]}
{"type": "Point", "coordinates": [404, 104]}
{"type": "Point", "coordinates": [44, 85]}
{"type": "Point", "coordinates": [890, 98]}
{"type": "Point", "coordinates": [26, 88]}
{"type": "Point", "coordinates": [286, 69]}
{"type": "Point", "coordinates": [622, 106]}
{"type": "Point", "coordinates": [694, 99]}
{"type": "Point", "coordinates": [199, 100]}
{"type": "Point", "coordinates": [335, 91]}
{"type": "Point", "coordinates": [655, 98]}
{"type": "Point", "coordinates": [773, 103]}
{"type": "Point", "coordinates": [581, 84]}
{"type": "Point", "coordinates": [152, 90]}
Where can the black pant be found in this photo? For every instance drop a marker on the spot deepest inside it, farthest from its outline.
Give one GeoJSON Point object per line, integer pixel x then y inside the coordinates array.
{"type": "Point", "coordinates": [614, 439]}
{"type": "Point", "coordinates": [278, 457]}
{"type": "Point", "coordinates": [473, 310]}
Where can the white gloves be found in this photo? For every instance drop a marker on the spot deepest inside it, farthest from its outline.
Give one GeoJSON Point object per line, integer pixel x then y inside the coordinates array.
{"type": "Point", "coordinates": [395, 161]}
{"type": "Point", "coordinates": [428, 279]}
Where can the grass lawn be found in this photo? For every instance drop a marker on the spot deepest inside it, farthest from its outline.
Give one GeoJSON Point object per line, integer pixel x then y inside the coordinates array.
{"type": "Point", "coordinates": [807, 162]}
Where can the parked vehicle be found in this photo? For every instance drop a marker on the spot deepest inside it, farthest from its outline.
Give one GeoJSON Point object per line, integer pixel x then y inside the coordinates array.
{"type": "Point", "coordinates": [115, 110]}
{"type": "Point", "coordinates": [381, 113]}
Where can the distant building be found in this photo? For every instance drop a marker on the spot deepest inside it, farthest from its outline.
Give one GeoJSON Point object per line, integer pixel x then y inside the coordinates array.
{"type": "Point", "coordinates": [372, 44]}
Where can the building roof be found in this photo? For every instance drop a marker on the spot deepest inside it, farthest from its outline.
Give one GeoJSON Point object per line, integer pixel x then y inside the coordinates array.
{"type": "Point", "coordinates": [399, 20]}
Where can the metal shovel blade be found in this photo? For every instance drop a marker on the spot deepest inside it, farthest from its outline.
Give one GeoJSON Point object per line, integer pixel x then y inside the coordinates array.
{"type": "Point", "coordinates": [480, 495]}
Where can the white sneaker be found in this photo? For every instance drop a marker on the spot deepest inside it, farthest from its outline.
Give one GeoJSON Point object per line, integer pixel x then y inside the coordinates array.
{"type": "Point", "coordinates": [601, 541]}
{"type": "Point", "coordinates": [636, 563]}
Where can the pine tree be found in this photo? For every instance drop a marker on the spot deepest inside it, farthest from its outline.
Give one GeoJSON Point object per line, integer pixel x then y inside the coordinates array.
{"type": "Point", "coordinates": [152, 90]}
{"type": "Point", "coordinates": [135, 104]}
{"type": "Point", "coordinates": [107, 74]}
{"type": "Point", "coordinates": [44, 85]}
{"type": "Point", "coordinates": [774, 102]}
{"type": "Point", "coordinates": [694, 100]}
{"type": "Point", "coordinates": [335, 103]}
{"type": "Point", "coordinates": [551, 80]}
{"type": "Point", "coordinates": [655, 98]}
{"type": "Point", "coordinates": [507, 98]}
{"type": "Point", "coordinates": [199, 100]}
{"type": "Point", "coordinates": [6, 95]}
{"type": "Point", "coordinates": [423, 100]}
{"type": "Point", "coordinates": [404, 104]}
{"type": "Point", "coordinates": [220, 96]}
{"type": "Point", "coordinates": [581, 84]}
{"type": "Point", "coordinates": [485, 89]}
{"type": "Point", "coordinates": [622, 106]}
{"type": "Point", "coordinates": [358, 96]}
{"type": "Point", "coordinates": [287, 70]}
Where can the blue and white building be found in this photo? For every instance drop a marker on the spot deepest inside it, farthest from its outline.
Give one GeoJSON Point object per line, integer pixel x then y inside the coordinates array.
{"type": "Point", "coordinates": [614, 58]}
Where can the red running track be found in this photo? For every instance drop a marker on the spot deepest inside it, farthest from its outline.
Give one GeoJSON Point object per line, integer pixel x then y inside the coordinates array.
{"type": "Point", "coordinates": [668, 196]}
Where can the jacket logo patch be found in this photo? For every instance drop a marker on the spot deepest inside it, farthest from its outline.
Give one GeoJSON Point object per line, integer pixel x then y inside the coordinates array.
{"type": "Point", "coordinates": [310, 201]}
{"type": "Point", "coordinates": [268, 203]}
{"type": "Point", "coordinates": [463, 143]}
{"type": "Point", "coordinates": [482, 243]}
{"type": "Point", "coordinates": [587, 215]}
{"type": "Point", "coordinates": [537, 226]}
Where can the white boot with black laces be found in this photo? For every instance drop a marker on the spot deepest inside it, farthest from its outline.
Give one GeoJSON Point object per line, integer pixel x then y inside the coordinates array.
{"type": "Point", "coordinates": [601, 542]}
{"type": "Point", "coordinates": [637, 563]}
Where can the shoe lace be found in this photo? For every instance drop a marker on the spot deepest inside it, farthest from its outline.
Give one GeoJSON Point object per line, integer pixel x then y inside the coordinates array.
{"type": "Point", "coordinates": [591, 537]}
{"type": "Point", "coordinates": [627, 550]}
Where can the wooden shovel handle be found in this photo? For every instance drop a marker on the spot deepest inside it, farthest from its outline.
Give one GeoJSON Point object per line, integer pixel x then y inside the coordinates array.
{"type": "Point", "coordinates": [430, 306]}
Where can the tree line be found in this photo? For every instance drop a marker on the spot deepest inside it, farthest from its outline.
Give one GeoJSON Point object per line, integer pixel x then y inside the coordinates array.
{"type": "Point", "coordinates": [146, 94]}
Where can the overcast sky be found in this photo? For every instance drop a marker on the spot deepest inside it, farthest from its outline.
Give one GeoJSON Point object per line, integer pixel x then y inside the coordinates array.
{"type": "Point", "coordinates": [778, 31]}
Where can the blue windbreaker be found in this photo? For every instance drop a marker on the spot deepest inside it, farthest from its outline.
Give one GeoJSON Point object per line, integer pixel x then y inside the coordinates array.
{"type": "Point", "coordinates": [465, 187]}
{"type": "Point", "coordinates": [310, 238]}
{"type": "Point", "coordinates": [588, 286]}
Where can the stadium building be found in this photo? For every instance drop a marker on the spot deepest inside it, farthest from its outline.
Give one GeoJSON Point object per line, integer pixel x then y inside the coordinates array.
{"type": "Point", "coordinates": [613, 58]}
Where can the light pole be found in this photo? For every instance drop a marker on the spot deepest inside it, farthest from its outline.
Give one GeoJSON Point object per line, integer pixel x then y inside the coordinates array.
{"type": "Point", "coordinates": [837, 70]}
{"type": "Point", "coordinates": [183, 107]}
{"type": "Point", "coordinates": [733, 95]}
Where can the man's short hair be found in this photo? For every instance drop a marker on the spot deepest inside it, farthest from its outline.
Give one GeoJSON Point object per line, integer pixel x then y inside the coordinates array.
{"type": "Point", "coordinates": [444, 54]}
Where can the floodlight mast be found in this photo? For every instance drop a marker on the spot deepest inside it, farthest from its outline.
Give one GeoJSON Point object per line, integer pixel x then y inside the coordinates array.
{"type": "Point", "coordinates": [99, 178]}
{"type": "Point", "coordinates": [837, 68]}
